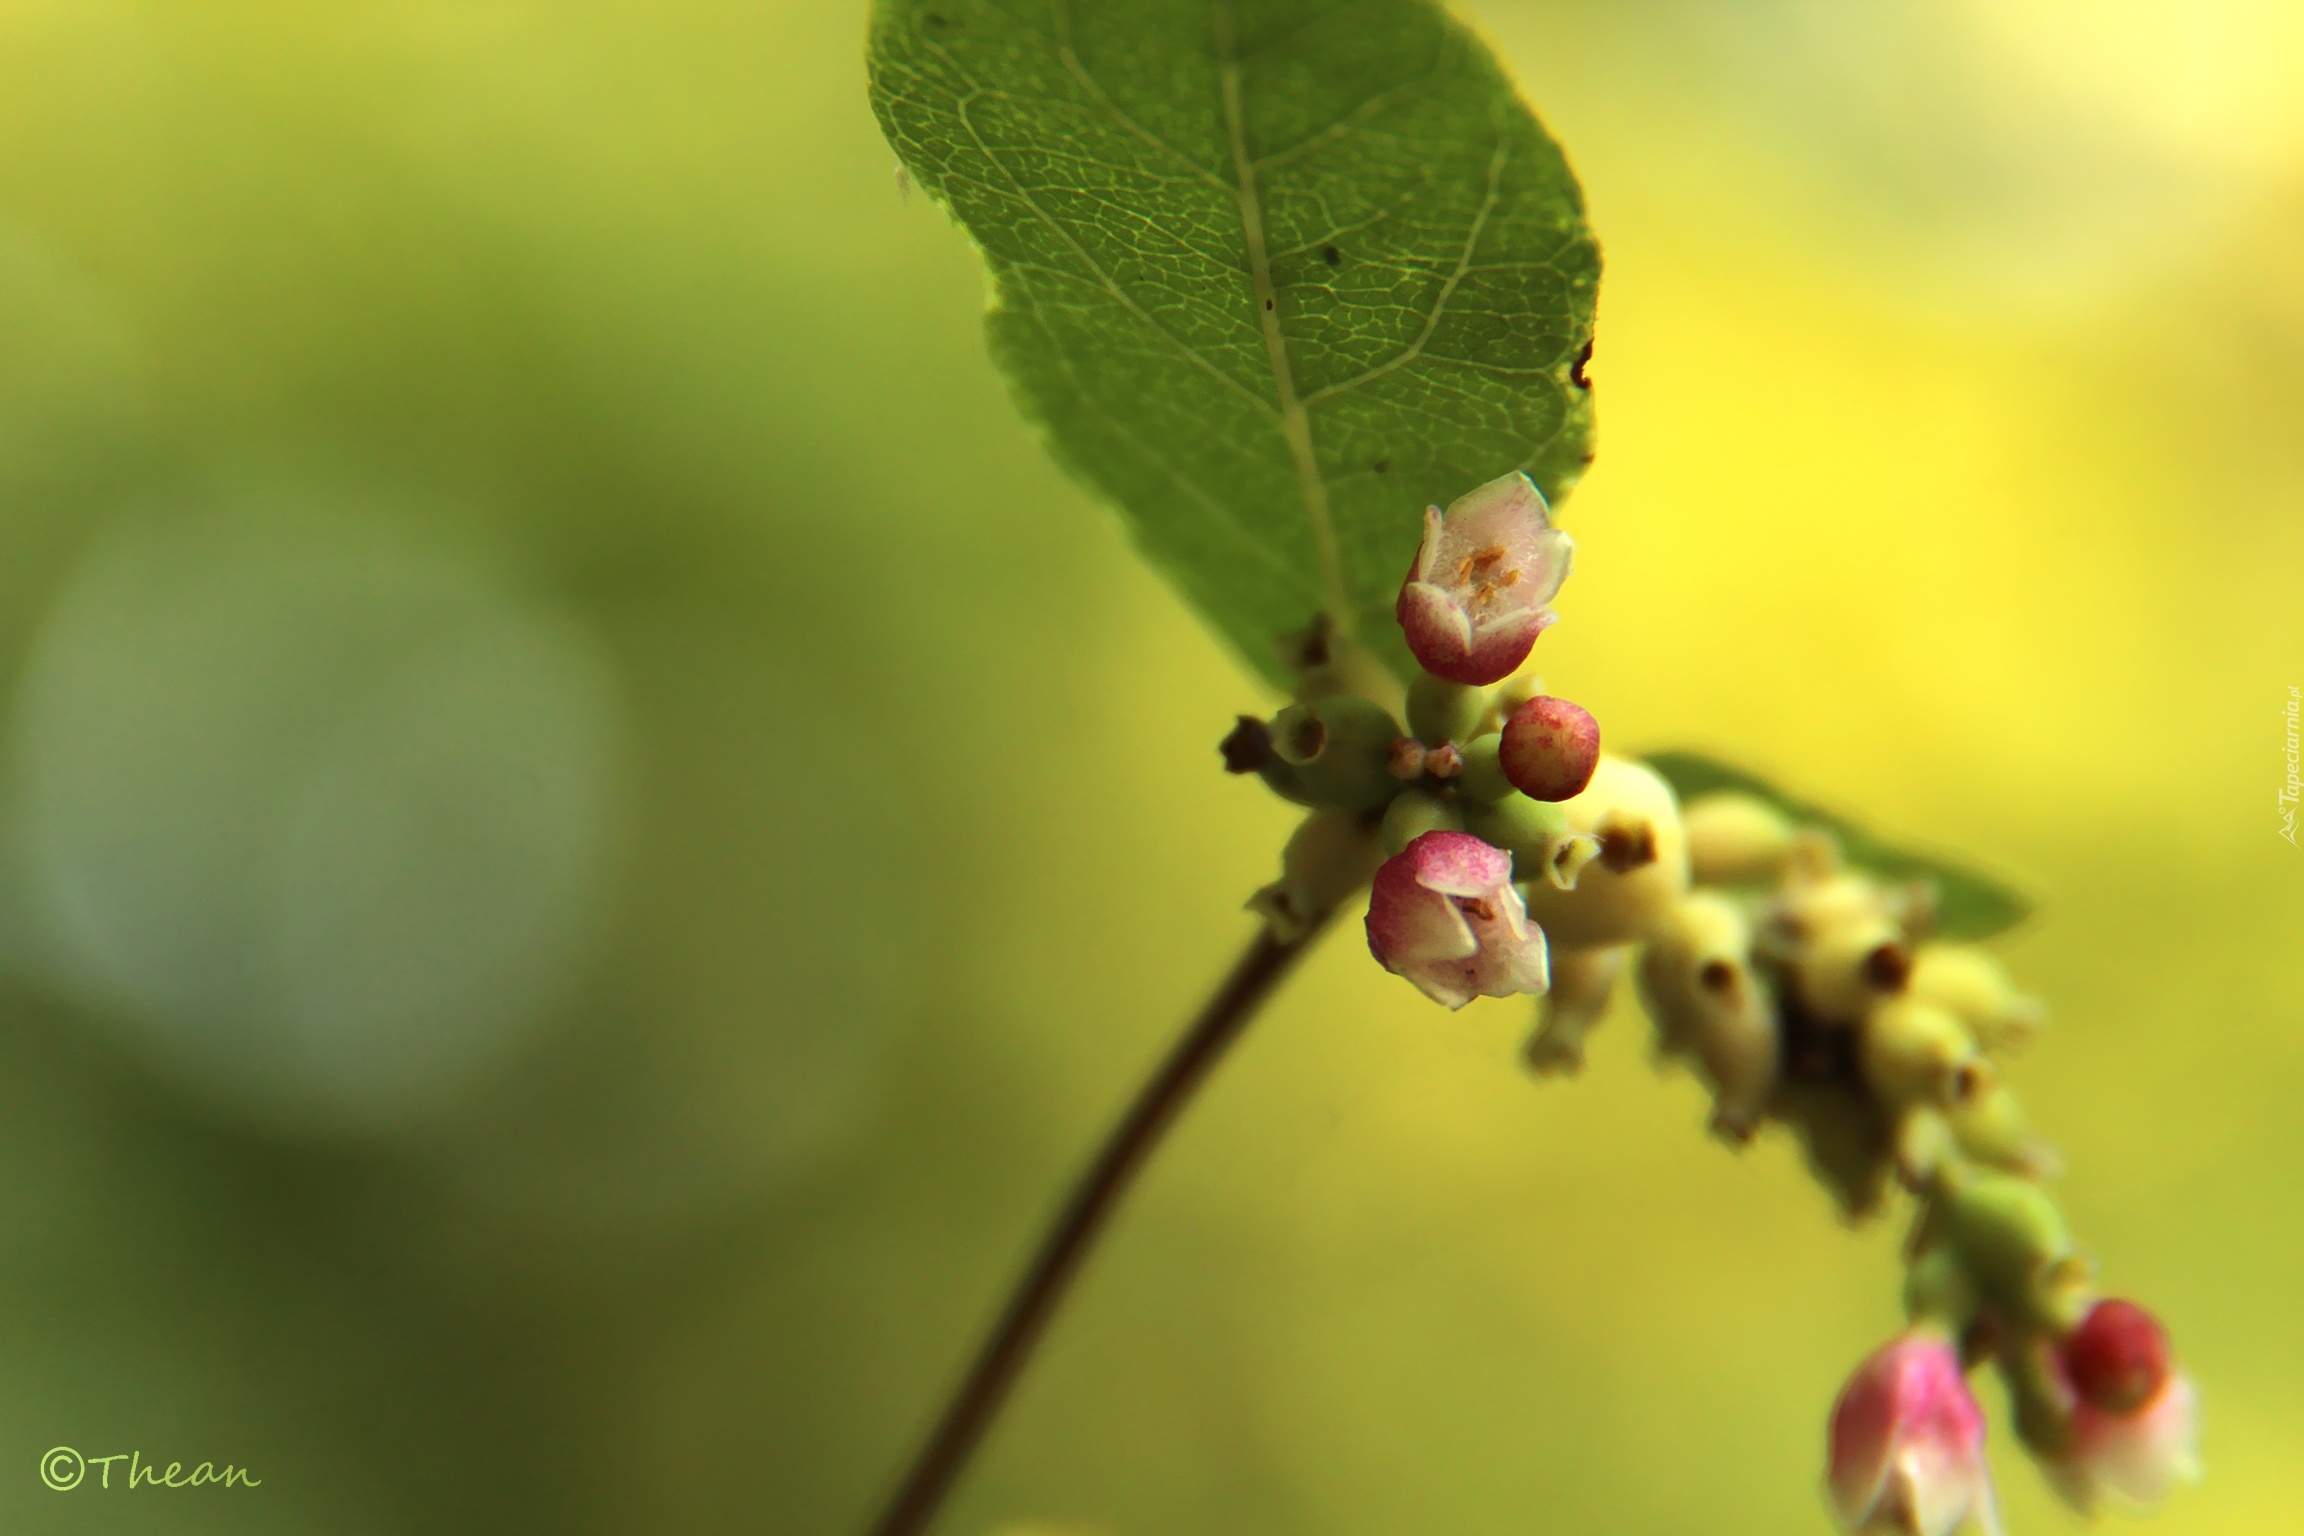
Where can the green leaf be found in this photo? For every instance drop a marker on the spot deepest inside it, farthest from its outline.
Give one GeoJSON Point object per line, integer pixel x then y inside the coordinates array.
{"type": "Point", "coordinates": [1969, 905]}
{"type": "Point", "coordinates": [1271, 275]}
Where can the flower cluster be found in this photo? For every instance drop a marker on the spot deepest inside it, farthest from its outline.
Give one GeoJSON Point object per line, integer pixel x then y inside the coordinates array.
{"type": "Point", "coordinates": [1505, 854]}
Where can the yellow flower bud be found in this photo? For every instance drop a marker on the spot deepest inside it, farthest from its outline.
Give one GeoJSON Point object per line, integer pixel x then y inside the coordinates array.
{"type": "Point", "coordinates": [1839, 944]}
{"type": "Point", "coordinates": [1711, 1007]}
{"type": "Point", "coordinates": [1642, 867]}
{"type": "Point", "coordinates": [1583, 984]}
{"type": "Point", "coordinates": [1970, 982]}
{"type": "Point", "coordinates": [1913, 1052]}
{"type": "Point", "coordinates": [1736, 839]}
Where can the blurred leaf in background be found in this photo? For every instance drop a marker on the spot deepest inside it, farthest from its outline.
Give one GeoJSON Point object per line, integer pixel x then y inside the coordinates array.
{"type": "Point", "coordinates": [506, 512]}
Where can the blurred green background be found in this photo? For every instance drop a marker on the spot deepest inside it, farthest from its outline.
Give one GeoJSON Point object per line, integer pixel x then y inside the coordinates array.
{"type": "Point", "coordinates": [589, 830]}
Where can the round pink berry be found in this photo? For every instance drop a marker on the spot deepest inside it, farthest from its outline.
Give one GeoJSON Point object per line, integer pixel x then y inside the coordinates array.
{"type": "Point", "coordinates": [1550, 748]}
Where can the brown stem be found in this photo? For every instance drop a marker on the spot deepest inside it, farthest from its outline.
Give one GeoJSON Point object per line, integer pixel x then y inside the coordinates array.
{"type": "Point", "coordinates": [1065, 1248]}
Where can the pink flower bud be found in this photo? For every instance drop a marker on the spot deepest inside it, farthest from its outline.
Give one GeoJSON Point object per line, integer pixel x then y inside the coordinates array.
{"type": "Point", "coordinates": [2135, 1418]}
{"type": "Point", "coordinates": [2118, 1356]}
{"type": "Point", "coordinates": [1549, 749]}
{"type": "Point", "coordinates": [1444, 914]}
{"type": "Point", "coordinates": [1907, 1444]}
{"type": "Point", "coordinates": [1475, 599]}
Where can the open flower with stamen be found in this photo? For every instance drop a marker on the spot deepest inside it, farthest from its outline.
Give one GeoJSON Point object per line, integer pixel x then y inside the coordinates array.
{"type": "Point", "coordinates": [1476, 598]}
{"type": "Point", "coordinates": [1907, 1444]}
{"type": "Point", "coordinates": [1444, 914]}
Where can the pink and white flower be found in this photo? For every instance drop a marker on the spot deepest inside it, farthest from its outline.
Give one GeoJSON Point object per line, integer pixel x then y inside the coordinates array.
{"type": "Point", "coordinates": [2135, 1424]}
{"type": "Point", "coordinates": [1475, 600]}
{"type": "Point", "coordinates": [1907, 1444]}
{"type": "Point", "coordinates": [1444, 914]}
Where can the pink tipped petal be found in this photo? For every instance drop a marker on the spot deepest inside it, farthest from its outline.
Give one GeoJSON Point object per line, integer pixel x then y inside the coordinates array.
{"type": "Point", "coordinates": [1434, 623]}
{"type": "Point", "coordinates": [1458, 864]}
{"type": "Point", "coordinates": [1417, 927]}
{"type": "Point", "coordinates": [1907, 1444]}
{"type": "Point", "coordinates": [1443, 913]}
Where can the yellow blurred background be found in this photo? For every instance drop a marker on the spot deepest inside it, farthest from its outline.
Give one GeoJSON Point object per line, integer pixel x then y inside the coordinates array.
{"type": "Point", "coordinates": [590, 831]}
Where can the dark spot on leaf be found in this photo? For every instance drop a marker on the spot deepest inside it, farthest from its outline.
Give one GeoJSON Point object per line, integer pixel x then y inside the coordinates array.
{"type": "Point", "coordinates": [1248, 748]}
{"type": "Point", "coordinates": [1331, 255]}
{"type": "Point", "coordinates": [1382, 466]}
{"type": "Point", "coordinates": [935, 20]}
{"type": "Point", "coordinates": [1267, 303]}
{"type": "Point", "coordinates": [1576, 369]}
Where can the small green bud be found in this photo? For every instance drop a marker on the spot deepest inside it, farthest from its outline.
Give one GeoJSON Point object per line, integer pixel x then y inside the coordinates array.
{"type": "Point", "coordinates": [1341, 750]}
{"type": "Point", "coordinates": [1413, 813]}
{"type": "Point", "coordinates": [1483, 774]}
{"type": "Point", "coordinates": [2012, 1240]}
{"type": "Point", "coordinates": [1937, 1289]}
{"type": "Point", "coordinates": [1583, 983]}
{"type": "Point", "coordinates": [1736, 839]}
{"type": "Point", "coordinates": [1439, 710]}
{"type": "Point", "coordinates": [1527, 829]}
{"type": "Point", "coordinates": [1330, 855]}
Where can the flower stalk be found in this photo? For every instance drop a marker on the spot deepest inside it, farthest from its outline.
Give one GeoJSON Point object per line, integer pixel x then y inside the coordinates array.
{"type": "Point", "coordinates": [1064, 1249]}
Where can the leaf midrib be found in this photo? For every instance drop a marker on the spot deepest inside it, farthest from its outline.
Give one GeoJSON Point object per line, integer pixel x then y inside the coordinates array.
{"type": "Point", "coordinates": [1295, 422]}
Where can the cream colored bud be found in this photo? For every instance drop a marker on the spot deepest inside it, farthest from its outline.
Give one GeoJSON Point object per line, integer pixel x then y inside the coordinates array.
{"type": "Point", "coordinates": [1913, 1052]}
{"type": "Point", "coordinates": [1925, 1145]}
{"type": "Point", "coordinates": [1736, 839]}
{"type": "Point", "coordinates": [1642, 867]}
{"type": "Point", "coordinates": [1970, 982]}
{"type": "Point", "coordinates": [1330, 855]}
{"type": "Point", "coordinates": [1711, 1007]}
{"type": "Point", "coordinates": [1583, 984]}
{"type": "Point", "coordinates": [1839, 945]}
